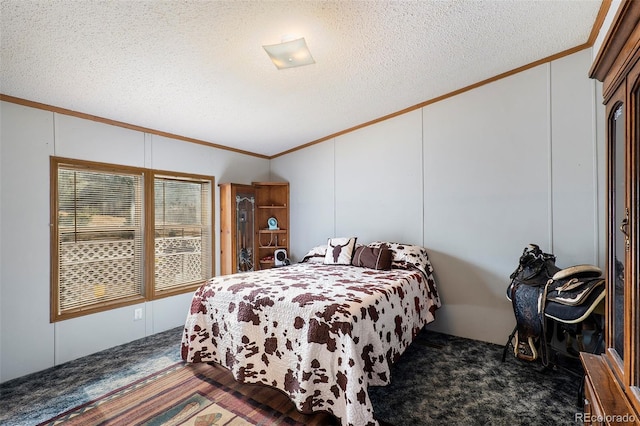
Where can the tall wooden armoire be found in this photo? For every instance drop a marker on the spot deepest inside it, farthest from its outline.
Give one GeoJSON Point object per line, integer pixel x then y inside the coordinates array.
{"type": "Point", "coordinates": [237, 228]}
{"type": "Point", "coordinates": [612, 379]}
{"type": "Point", "coordinates": [254, 226]}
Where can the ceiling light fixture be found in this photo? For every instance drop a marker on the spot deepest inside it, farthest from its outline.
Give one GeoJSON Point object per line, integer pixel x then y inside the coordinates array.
{"type": "Point", "coordinates": [289, 54]}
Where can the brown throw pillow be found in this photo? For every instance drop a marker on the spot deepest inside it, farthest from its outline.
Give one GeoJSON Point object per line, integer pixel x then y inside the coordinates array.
{"type": "Point", "coordinates": [372, 257]}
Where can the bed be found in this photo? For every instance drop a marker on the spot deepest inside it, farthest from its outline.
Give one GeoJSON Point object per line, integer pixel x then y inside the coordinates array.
{"type": "Point", "coordinates": [322, 331]}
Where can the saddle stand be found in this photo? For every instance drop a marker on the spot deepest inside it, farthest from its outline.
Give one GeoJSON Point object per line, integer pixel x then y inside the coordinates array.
{"type": "Point", "coordinates": [570, 320]}
{"type": "Point", "coordinates": [580, 328]}
{"type": "Point", "coordinates": [553, 306]}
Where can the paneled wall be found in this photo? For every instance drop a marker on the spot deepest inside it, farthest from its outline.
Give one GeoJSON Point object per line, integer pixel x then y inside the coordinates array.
{"type": "Point", "coordinates": [28, 341]}
{"type": "Point", "coordinates": [473, 178]}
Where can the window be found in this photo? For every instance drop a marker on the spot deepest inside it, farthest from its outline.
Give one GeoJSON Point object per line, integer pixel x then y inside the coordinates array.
{"type": "Point", "coordinates": [99, 238]}
{"type": "Point", "coordinates": [124, 235]}
{"type": "Point", "coordinates": [182, 233]}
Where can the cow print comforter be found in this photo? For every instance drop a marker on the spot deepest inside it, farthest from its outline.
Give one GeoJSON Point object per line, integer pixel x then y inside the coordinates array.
{"type": "Point", "coordinates": [321, 333]}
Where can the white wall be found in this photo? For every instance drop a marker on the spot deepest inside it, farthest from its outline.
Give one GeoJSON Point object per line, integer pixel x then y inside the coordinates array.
{"type": "Point", "coordinates": [366, 184]}
{"type": "Point", "coordinates": [28, 341]}
{"type": "Point", "coordinates": [311, 195]}
{"type": "Point", "coordinates": [473, 178]}
{"type": "Point", "coordinates": [27, 337]}
{"type": "Point", "coordinates": [378, 178]}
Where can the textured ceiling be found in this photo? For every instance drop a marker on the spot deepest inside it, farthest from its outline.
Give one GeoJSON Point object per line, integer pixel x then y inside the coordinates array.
{"type": "Point", "coordinates": [197, 68]}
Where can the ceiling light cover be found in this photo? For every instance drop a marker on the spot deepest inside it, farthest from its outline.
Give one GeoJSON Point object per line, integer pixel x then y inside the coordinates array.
{"type": "Point", "coordinates": [289, 54]}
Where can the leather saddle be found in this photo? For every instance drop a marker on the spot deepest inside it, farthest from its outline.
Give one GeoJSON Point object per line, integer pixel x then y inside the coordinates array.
{"type": "Point", "coordinates": [539, 290]}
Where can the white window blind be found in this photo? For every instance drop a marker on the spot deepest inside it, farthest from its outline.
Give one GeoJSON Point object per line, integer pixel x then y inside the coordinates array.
{"type": "Point", "coordinates": [99, 237]}
{"type": "Point", "coordinates": [183, 247]}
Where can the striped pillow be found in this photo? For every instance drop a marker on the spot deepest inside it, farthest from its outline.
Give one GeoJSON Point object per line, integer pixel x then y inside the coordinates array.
{"type": "Point", "coordinates": [372, 257]}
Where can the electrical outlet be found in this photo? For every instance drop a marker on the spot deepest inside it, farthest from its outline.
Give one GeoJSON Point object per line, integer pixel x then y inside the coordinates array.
{"type": "Point", "coordinates": [137, 314]}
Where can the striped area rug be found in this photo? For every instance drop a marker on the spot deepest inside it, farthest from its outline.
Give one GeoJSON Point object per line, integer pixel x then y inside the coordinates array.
{"type": "Point", "coordinates": [191, 394]}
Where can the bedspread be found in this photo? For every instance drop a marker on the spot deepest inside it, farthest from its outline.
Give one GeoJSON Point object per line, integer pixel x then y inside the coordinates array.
{"type": "Point", "coordinates": [321, 333]}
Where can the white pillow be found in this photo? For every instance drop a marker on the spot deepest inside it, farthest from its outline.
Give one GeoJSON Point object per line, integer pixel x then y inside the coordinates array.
{"type": "Point", "coordinates": [340, 251]}
{"type": "Point", "coordinates": [407, 256]}
{"type": "Point", "coordinates": [315, 255]}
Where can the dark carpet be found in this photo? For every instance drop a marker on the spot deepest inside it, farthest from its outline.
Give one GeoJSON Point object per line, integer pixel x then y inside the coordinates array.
{"type": "Point", "coordinates": [440, 379]}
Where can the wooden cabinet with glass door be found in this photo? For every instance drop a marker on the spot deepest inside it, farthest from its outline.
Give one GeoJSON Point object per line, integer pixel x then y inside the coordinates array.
{"type": "Point", "coordinates": [272, 223]}
{"type": "Point", "coordinates": [237, 229]}
{"type": "Point", "coordinates": [612, 379]}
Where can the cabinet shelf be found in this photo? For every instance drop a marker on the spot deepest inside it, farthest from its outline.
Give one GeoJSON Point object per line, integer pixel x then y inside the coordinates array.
{"type": "Point", "coordinates": [247, 228]}
{"type": "Point", "coordinates": [272, 201]}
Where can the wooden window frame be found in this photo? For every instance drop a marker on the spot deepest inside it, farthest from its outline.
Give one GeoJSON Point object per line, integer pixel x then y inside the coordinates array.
{"type": "Point", "coordinates": [151, 289]}
{"type": "Point", "coordinates": [149, 292]}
